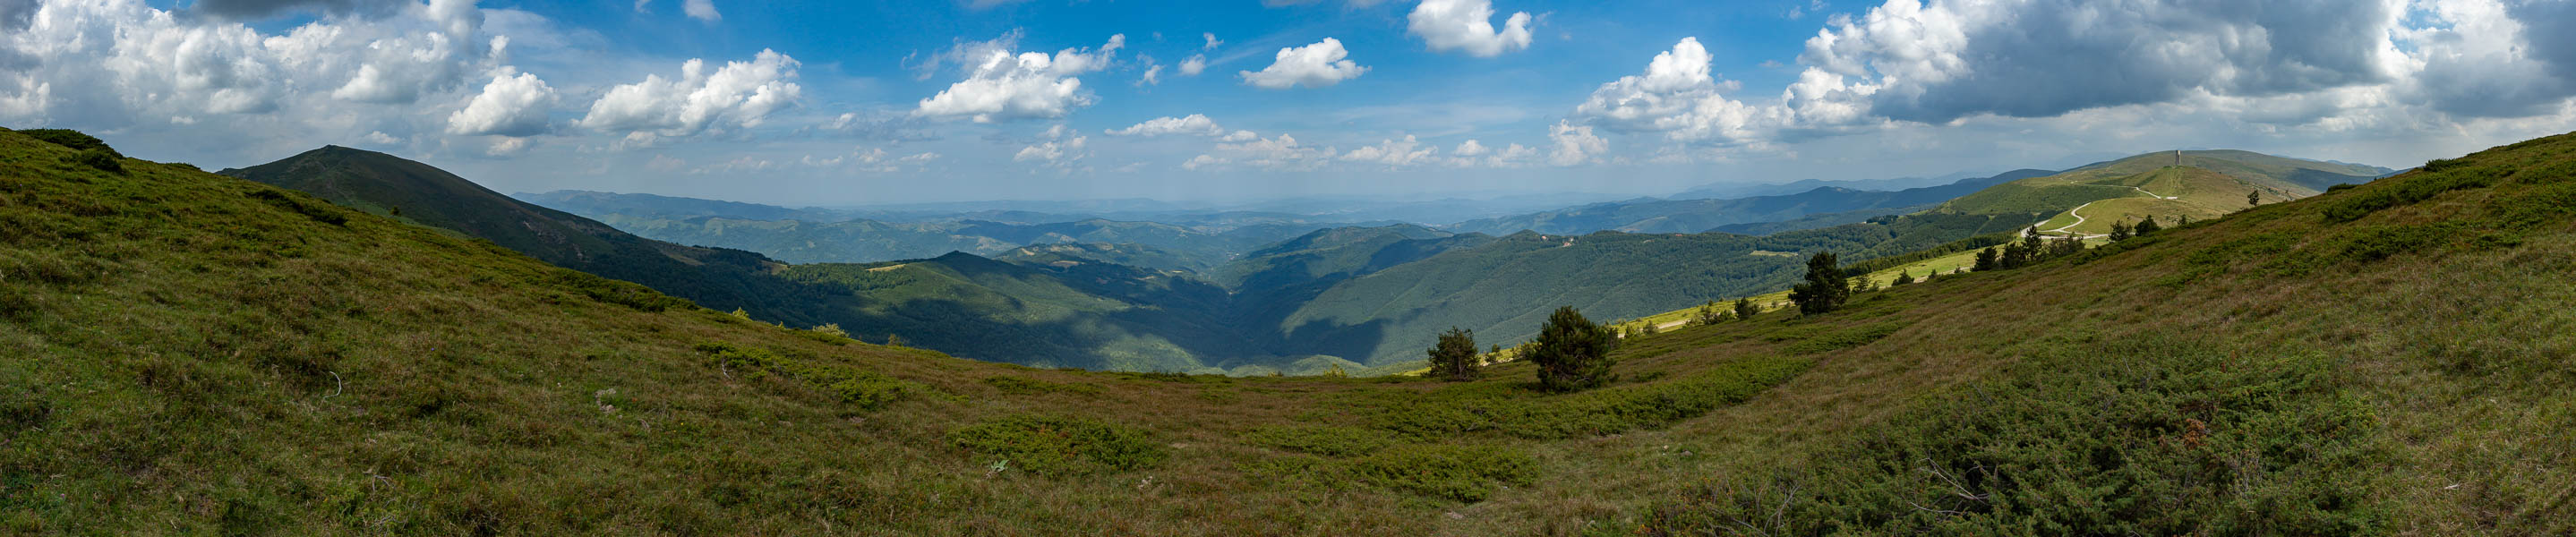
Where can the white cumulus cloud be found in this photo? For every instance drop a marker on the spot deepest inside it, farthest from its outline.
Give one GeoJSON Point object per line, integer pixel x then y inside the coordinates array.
{"type": "Point", "coordinates": [513, 104]}
{"type": "Point", "coordinates": [1318, 65]}
{"type": "Point", "coordinates": [1467, 25]}
{"type": "Point", "coordinates": [738, 95]}
{"type": "Point", "coordinates": [1001, 85]}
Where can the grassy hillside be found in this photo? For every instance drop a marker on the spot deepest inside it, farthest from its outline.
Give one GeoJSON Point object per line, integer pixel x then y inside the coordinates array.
{"type": "Point", "coordinates": [409, 191]}
{"type": "Point", "coordinates": [2385, 359]}
{"type": "Point", "coordinates": [2270, 170]}
{"type": "Point", "coordinates": [2169, 186]}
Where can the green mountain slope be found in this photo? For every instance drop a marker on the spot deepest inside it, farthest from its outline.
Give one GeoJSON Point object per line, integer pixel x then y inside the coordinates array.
{"type": "Point", "coordinates": [410, 191]}
{"type": "Point", "coordinates": [2169, 185]}
{"type": "Point", "coordinates": [2384, 359]}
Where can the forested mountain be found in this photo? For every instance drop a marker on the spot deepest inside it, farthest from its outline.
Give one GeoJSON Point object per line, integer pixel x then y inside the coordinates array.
{"type": "Point", "coordinates": [1698, 215]}
{"type": "Point", "coordinates": [188, 353]}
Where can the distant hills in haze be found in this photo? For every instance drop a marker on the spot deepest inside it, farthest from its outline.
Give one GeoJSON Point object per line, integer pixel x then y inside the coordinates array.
{"type": "Point", "coordinates": [1251, 292]}
{"type": "Point", "coordinates": [1698, 215]}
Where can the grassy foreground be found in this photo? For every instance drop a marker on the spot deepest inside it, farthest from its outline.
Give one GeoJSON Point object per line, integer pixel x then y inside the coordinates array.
{"type": "Point", "coordinates": [185, 354]}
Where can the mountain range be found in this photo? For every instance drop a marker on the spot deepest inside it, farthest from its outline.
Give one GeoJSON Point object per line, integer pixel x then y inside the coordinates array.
{"type": "Point", "coordinates": [192, 353]}
{"type": "Point", "coordinates": [1231, 292]}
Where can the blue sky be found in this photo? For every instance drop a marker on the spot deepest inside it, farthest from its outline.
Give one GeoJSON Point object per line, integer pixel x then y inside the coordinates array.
{"type": "Point", "coordinates": [880, 102]}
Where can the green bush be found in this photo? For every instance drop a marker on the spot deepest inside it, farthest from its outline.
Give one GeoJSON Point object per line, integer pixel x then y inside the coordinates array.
{"type": "Point", "coordinates": [867, 390]}
{"type": "Point", "coordinates": [1462, 473]}
{"type": "Point", "coordinates": [1598, 412]}
{"type": "Point", "coordinates": [1021, 386]}
{"type": "Point", "coordinates": [615, 291]}
{"type": "Point", "coordinates": [2380, 242]}
{"type": "Point", "coordinates": [1844, 339]}
{"type": "Point", "coordinates": [1053, 445]}
{"type": "Point", "coordinates": [2174, 438]}
{"type": "Point", "coordinates": [1323, 440]}
{"type": "Point", "coordinates": [321, 212]}
{"type": "Point", "coordinates": [72, 139]}
{"type": "Point", "coordinates": [105, 161]}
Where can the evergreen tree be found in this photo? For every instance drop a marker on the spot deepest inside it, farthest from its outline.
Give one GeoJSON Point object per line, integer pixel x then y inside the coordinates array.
{"type": "Point", "coordinates": [2015, 255]}
{"type": "Point", "coordinates": [1746, 309]}
{"type": "Point", "coordinates": [1572, 352]}
{"type": "Point", "coordinates": [2120, 231]}
{"type": "Point", "coordinates": [2254, 198]}
{"type": "Point", "coordinates": [2065, 247]}
{"type": "Point", "coordinates": [1986, 260]}
{"type": "Point", "coordinates": [1824, 289]}
{"type": "Point", "coordinates": [2186, 220]}
{"type": "Point", "coordinates": [1903, 277]}
{"type": "Point", "coordinates": [1454, 356]}
{"type": "Point", "coordinates": [1709, 314]}
{"type": "Point", "coordinates": [2148, 226]}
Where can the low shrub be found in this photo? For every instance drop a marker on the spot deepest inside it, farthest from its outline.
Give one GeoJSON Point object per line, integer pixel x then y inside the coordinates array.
{"type": "Point", "coordinates": [1323, 440]}
{"type": "Point", "coordinates": [1844, 339]}
{"type": "Point", "coordinates": [72, 139]}
{"type": "Point", "coordinates": [2174, 439]}
{"type": "Point", "coordinates": [1052, 445]}
{"type": "Point", "coordinates": [1598, 412]}
{"type": "Point", "coordinates": [318, 212]}
{"type": "Point", "coordinates": [617, 292]}
{"type": "Point", "coordinates": [102, 160]}
{"type": "Point", "coordinates": [2380, 242]}
{"type": "Point", "coordinates": [867, 390]}
{"type": "Point", "coordinates": [1021, 386]}
{"type": "Point", "coordinates": [1462, 473]}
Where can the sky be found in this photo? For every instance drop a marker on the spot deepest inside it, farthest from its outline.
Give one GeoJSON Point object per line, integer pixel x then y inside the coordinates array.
{"type": "Point", "coordinates": [854, 102]}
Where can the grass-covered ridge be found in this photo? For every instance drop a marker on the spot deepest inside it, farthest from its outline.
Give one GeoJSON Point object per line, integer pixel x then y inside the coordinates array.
{"type": "Point", "coordinates": [183, 356]}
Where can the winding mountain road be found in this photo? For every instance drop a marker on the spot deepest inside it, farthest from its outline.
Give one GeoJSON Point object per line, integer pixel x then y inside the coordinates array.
{"type": "Point", "coordinates": [2079, 217]}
